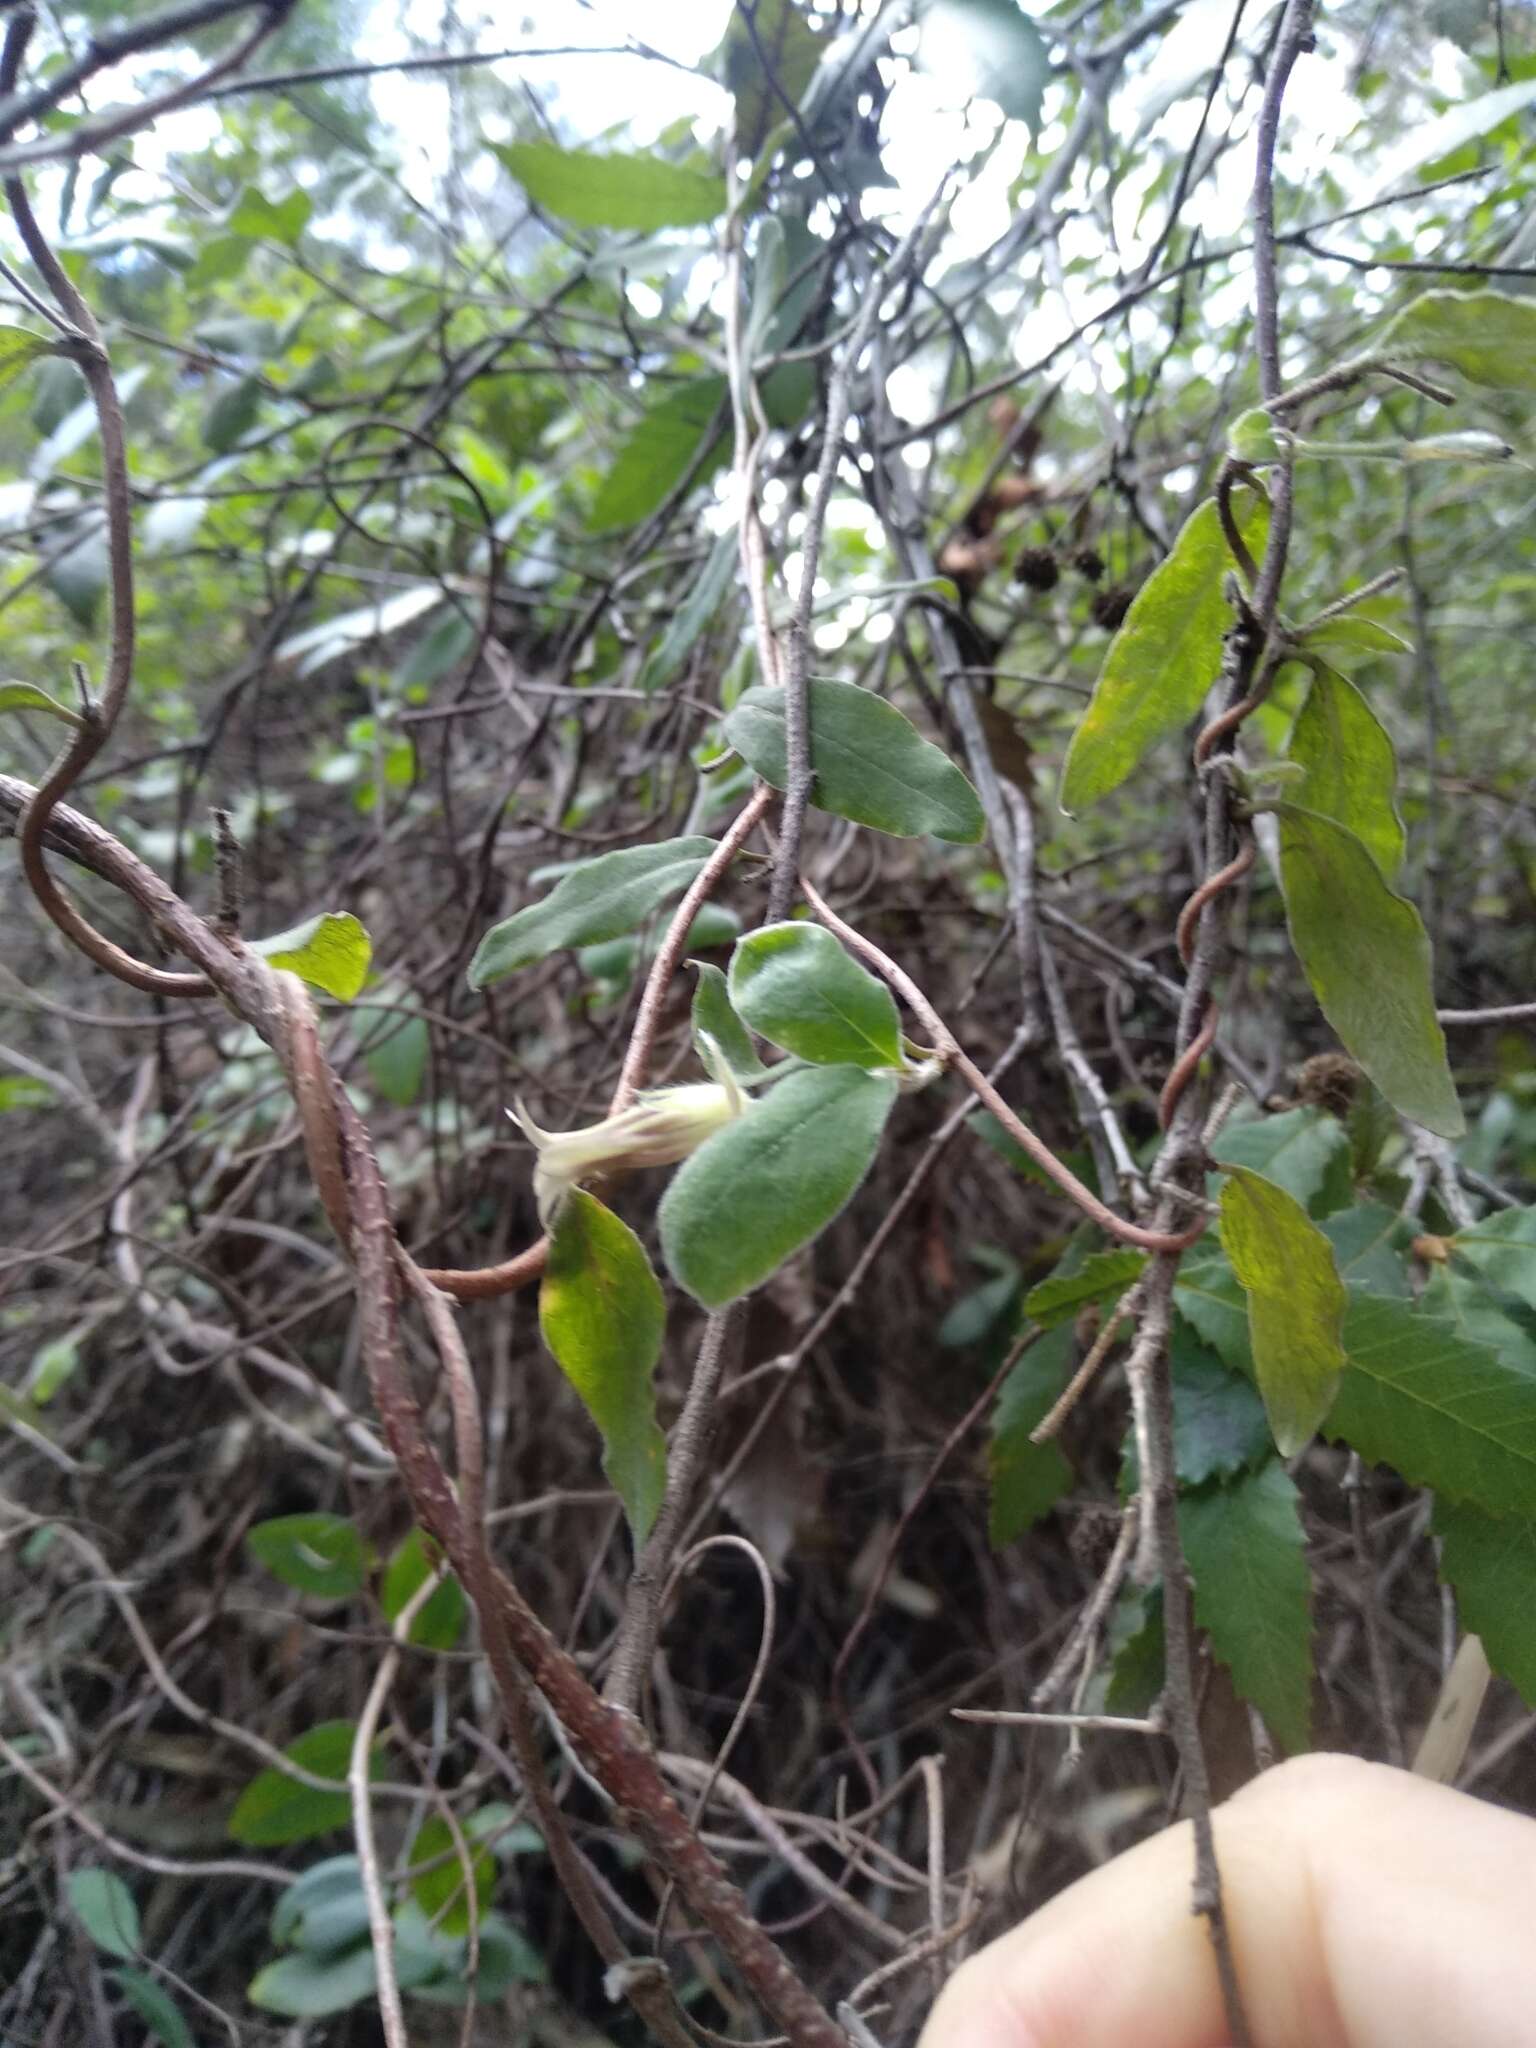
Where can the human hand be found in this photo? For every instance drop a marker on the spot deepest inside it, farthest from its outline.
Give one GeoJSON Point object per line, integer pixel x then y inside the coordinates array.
{"type": "Point", "coordinates": [1366, 1909]}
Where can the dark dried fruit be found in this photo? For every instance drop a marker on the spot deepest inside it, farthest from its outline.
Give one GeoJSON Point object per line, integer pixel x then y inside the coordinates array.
{"type": "Point", "coordinates": [1090, 563]}
{"type": "Point", "coordinates": [1038, 568]}
{"type": "Point", "coordinates": [1329, 1081]}
{"type": "Point", "coordinates": [1110, 606]}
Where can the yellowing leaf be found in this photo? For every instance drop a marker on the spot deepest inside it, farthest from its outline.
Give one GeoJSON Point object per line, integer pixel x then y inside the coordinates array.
{"type": "Point", "coordinates": [1295, 1302]}
{"type": "Point", "coordinates": [330, 952]}
{"type": "Point", "coordinates": [602, 1314]}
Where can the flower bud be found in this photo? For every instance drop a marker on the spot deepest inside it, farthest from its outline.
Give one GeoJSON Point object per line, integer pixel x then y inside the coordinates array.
{"type": "Point", "coordinates": [659, 1128]}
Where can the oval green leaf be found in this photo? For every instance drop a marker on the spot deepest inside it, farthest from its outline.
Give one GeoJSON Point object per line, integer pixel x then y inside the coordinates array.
{"type": "Point", "coordinates": [603, 1315]}
{"type": "Point", "coordinates": [330, 952]}
{"type": "Point", "coordinates": [1489, 336]}
{"type": "Point", "coordinates": [275, 1809]}
{"type": "Point", "coordinates": [1295, 1303]}
{"type": "Point", "coordinates": [870, 763]}
{"type": "Point", "coordinates": [772, 1180]}
{"type": "Point", "coordinates": [1366, 953]}
{"type": "Point", "coordinates": [797, 986]}
{"type": "Point", "coordinates": [320, 1554]}
{"type": "Point", "coordinates": [439, 1621]}
{"type": "Point", "coordinates": [1351, 767]}
{"type": "Point", "coordinates": [591, 189]}
{"type": "Point", "coordinates": [599, 899]}
{"type": "Point", "coordinates": [28, 697]}
{"type": "Point", "coordinates": [1165, 656]}
{"type": "Point", "coordinates": [155, 2006]}
{"type": "Point", "coordinates": [440, 1890]}
{"type": "Point", "coordinates": [716, 1023]}
{"type": "Point", "coordinates": [104, 1906]}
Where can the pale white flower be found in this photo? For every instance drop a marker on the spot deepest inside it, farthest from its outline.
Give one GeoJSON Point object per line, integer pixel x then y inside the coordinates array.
{"type": "Point", "coordinates": [658, 1129]}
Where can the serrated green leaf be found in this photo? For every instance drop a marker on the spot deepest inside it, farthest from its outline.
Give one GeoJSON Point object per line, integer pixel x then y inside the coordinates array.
{"type": "Point", "coordinates": [1296, 1302]}
{"type": "Point", "coordinates": [231, 414]}
{"type": "Point", "coordinates": [440, 1621]}
{"type": "Point", "coordinates": [1490, 337]}
{"type": "Point", "coordinates": [1104, 1276]}
{"type": "Point", "coordinates": [1444, 1412]}
{"type": "Point", "coordinates": [1135, 1652]}
{"type": "Point", "coordinates": [658, 451]}
{"type": "Point", "coordinates": [440, 1892]}
{"type": "Point", "coordinates": [320, 1554]}
{"type": "Point", "coordinates": [398, 1050]}
{"type": "Point", "coordinates": [1219, 1424]}
{"type": "Point", "coordinates": [1501, 1249]}
{"type": "Point", "coordinates": [28, 697]}
{"type": "Point", "coordinates": [797, 986]}
{"type": "Point", "coordinates": [1491, 1563]}
{"type": "Point", "coordinates": [1370, 1248]}
{"type": "Point", "coordinates": [104, 1906]}
{"type": "Point", "coordinates": [1351, 767]}
{"type": "Point", "coordinates": [1366, 954]}
{"type": "Point", "coordinates": [599, 899]}
{"type": "Point", "coordinates": [155, 2006]}
{"type": "Point", "coordinates": [331, 952]}
{"type": "Point", "coordinates": [772, 1180]}
{"type": "Point", "coordinates": [870, 763]}
{"type": "Point", "coordinates": [1027, 1480]}
{"type": "Point", "coordinates": [714, 1020]}
{"type": "Point", "coordinates": [1165, 656]}
{"type": "Point", "coordinates": [595, 190]}
{"type": "Point", "coordinates": [1305, 1151]}
{"type": "Point", "coordinates": [275, 1809]}
{"type": "Point", "coordinates": [1253, 1596]}
{"type": "Point", "coordinates": [603, 1316]}
{"type": "Point", "coordinates": [984, 49]}
{"type": "Point", "coordinates": [1210, 1294]}
{"type": "Point", "coordinates": [695, 613]}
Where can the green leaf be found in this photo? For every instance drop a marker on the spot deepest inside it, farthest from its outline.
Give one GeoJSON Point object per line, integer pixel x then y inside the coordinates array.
{"type": "Point", "coordinates": [1219, 1424]}
{"type": "Point", "coordinates": [765, 64]}
{"type": "Point", "coordinates": [53, 1366]}
{"type": "Point", "coordinates": [1370, 1248]}
{"type": "Point", "coordinates": [440, 648]}
{"type": "Point", "coordinates": [1489, 336]}
{"type": "Point", "coordinates": [1296, 1302]}
{"type": "Point", "coordinates": [1210, 1294]}
{"type": "Point", "coordinates": [1247, 1553]}
{"type": "Point", "coordinates": [440, 1622]}
{"type": "Point", "coordinates": [396, 1059]}
{"type": "Point", "coordinates": [797, 986]}
{"type": "Point", "coordinates": [1444, 1412]}
{"type": "Point", "coordinates": [1165, 656]}
{"type": "Point", "coordinates": [603, 1316]}
{"type": "Point", "coordinates": [440, 1892]}
{"type": "Point", "coordinates": [436, 1961]}
{"type": "Point", "coordinates": [79, 578]}
{"type": "Point", "coordinates": [714, 1020]}
{"type": "Point", "coordinates": [104, 1906]}
{"type": "Point", "coordinates": [977, 1313]}
{"type": "Point", "coordinates": [772, 1180]}
{"type": "Point", "coordinates": [598, 899]}
{"type": "Point", "coordinates": [658, 451]}
{"type": "Point", "coordinates": [1102, 1277]}
{"type": "Point", "coordinates": [1355, 633]}
{"type": "Point", "coordinates": [1366, 953]}
{"type": "Point", "coordinates": [155, 2007]}
{"type": "Point", "coordinates": [258, 218]}
{"type": "Point", "coordinates": [18, 348]}
{"type": "Point", "coordinates": [324, 1909]}
{"type": "Point", "coordinates": [320, 1554]}
{"type": "Point", "coordinates": [1305, 1151]}
{"type": "Point", "coordinates": [231, 414]}
{"type": "Point", "coordinates": [1027, 1480]}
{"type": "Point", "coordinates": [1502, 1251]}
{"type": "Point", "coordinates": [1492, 1565]}
{"type": "Point", "coordinates": [1351, 767]}
{"type": "Point", "coordinates": [984, 49]}
{"type": "Point", "coordinates": [870, 763]}
{"type": "Point", "coordinates": [691, 618]}
{"type": "Point", "coordinates": [1135, 1652]}
{"type": "Point", "coordinates": [593, 190]}
{"type": "Point", "coordinates": [28, 697]}
{"type": "Point", "coordinates": [275, 1809]}
{"type": "Point", "coordinates": [330, 952]}
{"type": "Point", "coordinates": [302, 1986]}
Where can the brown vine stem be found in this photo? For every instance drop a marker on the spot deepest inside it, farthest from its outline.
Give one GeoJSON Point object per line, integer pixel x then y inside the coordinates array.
{"type": "Point", "coordinates": [948, 1050]}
